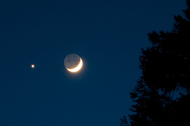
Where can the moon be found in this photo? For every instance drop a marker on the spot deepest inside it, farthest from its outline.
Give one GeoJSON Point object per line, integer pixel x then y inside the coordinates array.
{"type": "Point", "coordinates": [73, 63]}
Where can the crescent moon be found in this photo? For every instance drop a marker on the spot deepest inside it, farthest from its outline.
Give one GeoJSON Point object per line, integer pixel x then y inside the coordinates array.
{"type": "Point", "coordinates": [77, 68]}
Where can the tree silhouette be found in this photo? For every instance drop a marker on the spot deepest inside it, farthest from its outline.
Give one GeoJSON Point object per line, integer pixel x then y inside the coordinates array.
{"type": "Point", "coordinates": [123, 122]}
{"type": "Point", "coordinates": [165, 71]}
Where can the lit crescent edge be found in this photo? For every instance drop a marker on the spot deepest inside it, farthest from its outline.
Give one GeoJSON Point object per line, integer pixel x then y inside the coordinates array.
{"type": "Point", "coordinates": [76, 69]}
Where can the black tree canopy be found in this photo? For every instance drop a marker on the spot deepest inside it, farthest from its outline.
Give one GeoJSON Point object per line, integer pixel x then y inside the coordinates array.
{"type": "Point", "coordinates": [165, 69]}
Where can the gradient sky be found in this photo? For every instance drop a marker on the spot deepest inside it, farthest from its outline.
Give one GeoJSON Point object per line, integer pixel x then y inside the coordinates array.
{"type": "Point", "coordinates": [107, 34]}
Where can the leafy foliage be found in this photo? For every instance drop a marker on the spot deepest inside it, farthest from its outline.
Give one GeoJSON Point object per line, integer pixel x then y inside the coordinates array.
{"type": "Point", "coordinates": [165, 69]}
{"type": "Point", "coordinates": [124, 121]}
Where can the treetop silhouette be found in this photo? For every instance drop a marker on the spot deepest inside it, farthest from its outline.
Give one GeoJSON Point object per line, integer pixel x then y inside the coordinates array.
{"type": "Point", "coordinates": [165, 69]}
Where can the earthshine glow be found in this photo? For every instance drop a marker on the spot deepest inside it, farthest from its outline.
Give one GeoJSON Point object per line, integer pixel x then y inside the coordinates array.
{"type": "Point", "coordinates": [73, 63]}
{"type": "Point", "coordinates": [76, 69]}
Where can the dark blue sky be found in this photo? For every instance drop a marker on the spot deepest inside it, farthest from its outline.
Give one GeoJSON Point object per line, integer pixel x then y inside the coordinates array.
{"type": "Point", "coordinates": [107, 34]}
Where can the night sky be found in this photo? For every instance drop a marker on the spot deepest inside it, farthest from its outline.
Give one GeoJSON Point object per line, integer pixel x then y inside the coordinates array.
{"type": "Point", "coordinates": [107, 34]}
